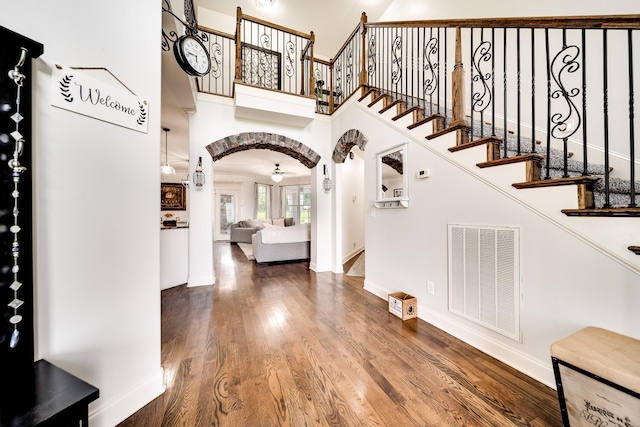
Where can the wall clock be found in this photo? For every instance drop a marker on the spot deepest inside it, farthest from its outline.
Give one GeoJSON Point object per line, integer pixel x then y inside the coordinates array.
{"type": "Point", "coordinates": [192, 56]}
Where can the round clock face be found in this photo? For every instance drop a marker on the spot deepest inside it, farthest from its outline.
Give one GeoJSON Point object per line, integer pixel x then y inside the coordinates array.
{"type": "Point", "coordinates": [192, 56]}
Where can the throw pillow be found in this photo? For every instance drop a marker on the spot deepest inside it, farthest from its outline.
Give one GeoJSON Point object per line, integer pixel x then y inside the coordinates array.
{"type": "Point", "coordinates": [288, 222]}
{"type": "Point", "coordinates": [250, 223]}
{"type": "Point", "coordinates": [278, 222]}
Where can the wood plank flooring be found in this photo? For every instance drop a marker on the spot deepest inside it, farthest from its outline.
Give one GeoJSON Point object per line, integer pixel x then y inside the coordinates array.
{"type": "Point", "coordinates": [280, 345]}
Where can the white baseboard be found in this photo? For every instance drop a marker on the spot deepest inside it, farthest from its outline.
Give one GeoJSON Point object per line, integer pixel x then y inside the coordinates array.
{"type": "Point", "coordinates": [376, 289]}
{"type": "Point", "coordinates": [127, 403]}
{"type": "Point", "coordinates": [534, 368]}
{"type": "Point", "coordinates": [352, 254]}
{"type": "Point", "coordinates": [201, 281]}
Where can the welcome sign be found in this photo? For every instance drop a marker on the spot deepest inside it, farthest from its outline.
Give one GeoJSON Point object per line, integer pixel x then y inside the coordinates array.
{"type": "Point", "coordinates": [76, 91]}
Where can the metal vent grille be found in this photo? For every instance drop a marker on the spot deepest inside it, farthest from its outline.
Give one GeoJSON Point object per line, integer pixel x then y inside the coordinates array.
{"type": "Point", "coordinates": [484, 277]}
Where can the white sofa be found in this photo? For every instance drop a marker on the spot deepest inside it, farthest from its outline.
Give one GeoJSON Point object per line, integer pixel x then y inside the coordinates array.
{"type": "Point", "coordinates": [273, 244]}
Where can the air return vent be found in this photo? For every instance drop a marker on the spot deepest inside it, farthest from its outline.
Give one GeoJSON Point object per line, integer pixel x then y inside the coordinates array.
{"type": "Point", "coordinates": [484, 277]}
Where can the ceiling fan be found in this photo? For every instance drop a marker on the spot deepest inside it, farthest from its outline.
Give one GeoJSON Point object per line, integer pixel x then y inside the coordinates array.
{"type": "Point", "coordinates": [276, 176]}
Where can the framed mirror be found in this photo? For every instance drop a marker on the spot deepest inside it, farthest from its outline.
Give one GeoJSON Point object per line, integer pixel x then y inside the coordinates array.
{"type": "Point", "coordinates": [392, 183]}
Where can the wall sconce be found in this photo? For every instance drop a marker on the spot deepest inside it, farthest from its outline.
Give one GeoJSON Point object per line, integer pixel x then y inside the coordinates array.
{"type": "Point", "coordinates": [198, 175]}
{"type": "Point", "coordinates": [326, 182]}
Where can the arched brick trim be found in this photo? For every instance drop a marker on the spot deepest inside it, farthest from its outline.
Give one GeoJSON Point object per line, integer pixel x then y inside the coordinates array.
{"type": "Point", "coordinates": [267, 141]}
{"type": "Point", "coordinates": [346, 142]}
{"type": "Point", "coordinates": [394, 160]}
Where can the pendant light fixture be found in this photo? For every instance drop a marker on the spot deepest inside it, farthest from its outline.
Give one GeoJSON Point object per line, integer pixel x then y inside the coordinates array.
{"type": "Point", "coordinates": [166, 169]}
{"type": "Point", "coordinates": [276, 176]}
{"type": "Point", "coordinates": [198, 175]}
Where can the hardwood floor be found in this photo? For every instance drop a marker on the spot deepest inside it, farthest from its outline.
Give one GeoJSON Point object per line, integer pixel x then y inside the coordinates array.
{"type": "Point", "coordinates": [281, 345]}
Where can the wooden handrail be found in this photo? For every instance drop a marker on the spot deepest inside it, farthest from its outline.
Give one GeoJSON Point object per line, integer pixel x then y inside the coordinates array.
{"type": "Point", "coordinates": [344, 46]}
{"type": "Point", "coordinates": [216, 32]}
{"type": "Point", "coordinates": [276, 26]}
{"type": "Point", "coordinates": [568, 22]}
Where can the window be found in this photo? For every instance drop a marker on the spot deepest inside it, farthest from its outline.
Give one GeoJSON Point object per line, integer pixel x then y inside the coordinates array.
{"type": "Point", "coordinates": [262, 201]}
{"type": "Point", "coordinates": [297, 203]}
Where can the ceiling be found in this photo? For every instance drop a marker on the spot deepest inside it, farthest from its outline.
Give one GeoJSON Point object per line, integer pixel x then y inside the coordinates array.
{"type": "Point", "coordinates": [300, 15]}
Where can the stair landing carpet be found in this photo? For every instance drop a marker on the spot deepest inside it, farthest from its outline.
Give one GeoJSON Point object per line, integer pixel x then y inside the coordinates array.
{"type": "Point", "coordinates": [247, 249]}
{"type": "Point", "coordinates": [357, 269]}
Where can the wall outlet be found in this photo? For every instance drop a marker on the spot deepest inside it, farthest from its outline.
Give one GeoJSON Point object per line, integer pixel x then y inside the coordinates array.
{"type": "Point", "coordinates": [431, 287]}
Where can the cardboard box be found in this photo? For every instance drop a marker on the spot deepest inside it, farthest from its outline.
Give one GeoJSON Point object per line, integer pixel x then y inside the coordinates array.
{"type": "Point", "coordinates": [403, 305]}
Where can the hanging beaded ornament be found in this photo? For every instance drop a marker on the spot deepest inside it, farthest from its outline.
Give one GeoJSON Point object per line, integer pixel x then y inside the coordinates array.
{"type": "Point", "coordinates": [16, 170]}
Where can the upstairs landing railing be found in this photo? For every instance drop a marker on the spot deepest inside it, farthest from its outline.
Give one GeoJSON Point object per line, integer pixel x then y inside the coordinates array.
{"type": "Point", "coordinates": [260, 54]}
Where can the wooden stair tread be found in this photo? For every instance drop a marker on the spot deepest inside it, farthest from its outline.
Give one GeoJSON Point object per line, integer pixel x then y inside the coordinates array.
{"type": "Point", "coordinates": [634, 249]}
{"type": "Point", "coordinates": [572, 180]}
{"type": "Point", "coordinates": [475, 143]}
{"type": "Point", "coordinates": [391, 105]}
{"type": "Point", "coordinates": [378, 98]}
{"type": "Point", "coordinates": [452, 128]}
{"type": "Point", "coordinates": [425, 120]}
{"type": "Point", "coordinates": [407, 111]}
{"type": "Point", "coordinates": [367, 93]}
{"type": "Point", "coordinates": [612, 212]}
{"type": "Point", "coordinates": [509, 160]}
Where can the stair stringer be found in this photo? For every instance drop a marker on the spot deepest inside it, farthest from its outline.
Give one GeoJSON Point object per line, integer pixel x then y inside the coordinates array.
{"type": "Point", "coordinates": [610, 236]}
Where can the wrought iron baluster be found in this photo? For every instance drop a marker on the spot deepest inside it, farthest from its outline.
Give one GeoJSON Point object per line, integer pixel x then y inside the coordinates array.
{"type": "Point", "coordinates": [431, 80]}
{"type": "Point", "coordinates": [565, 125]}
{"type": "Point", "coordinates": [471, 60]}
{"type": "Point", "coordinates": [482, 98]}
{"type": "Point", "coordinates": [605, 77]}
{"type": "Point", "coordinates": [584, 103]}
{"type": "Point", "coordinates": [504, 86]}
{"type": "Point", "coordinates": [412, 69]}
{"type": "Point", "coordinates": [533, 90]}
{"type": "Point", "coordinates": [548, 156]}
{"type": "Point", "coordinates": [518, 91]}
{"type": "Point", "coordinates": [396, 63]}
{"type": "Point", "coordinates": [371, 59]}
{"type": "Point", "coordinates": [632, 155]}
{"type": "Point", "coordinates": [493, 81]}
{"type": "Point", "coordinates": [445, 78]}
{"type": "Point", "coordinates": [438, 76]}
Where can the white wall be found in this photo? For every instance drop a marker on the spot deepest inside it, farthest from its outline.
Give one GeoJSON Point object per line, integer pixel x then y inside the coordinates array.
{"type": "Point", "coordinates": [352, 205]}
{"type": "Point", "coordinates": [96, 231]}
{"type": "Point", "coordinates": [566, 283]}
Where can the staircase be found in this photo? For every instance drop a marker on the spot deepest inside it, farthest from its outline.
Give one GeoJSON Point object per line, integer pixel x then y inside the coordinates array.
{"type": "Point", "coordinates": [588, 188]}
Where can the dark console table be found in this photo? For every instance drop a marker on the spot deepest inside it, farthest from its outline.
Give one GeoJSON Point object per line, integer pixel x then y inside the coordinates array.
{"type": "Point", "coordinates": [58, 400]}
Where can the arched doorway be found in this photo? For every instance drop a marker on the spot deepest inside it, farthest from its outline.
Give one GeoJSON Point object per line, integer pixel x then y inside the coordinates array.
{"type": "Point", "coordinates": [349, 159]}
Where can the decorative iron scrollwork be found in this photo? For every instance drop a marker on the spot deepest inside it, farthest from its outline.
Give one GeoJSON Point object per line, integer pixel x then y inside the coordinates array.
{"type": "Point", "coordinates": [371, 56]}
{"type": "Point", "coordinates": [396, 61]}
{"type": "Point", "coordinates": [565, 124]}
{"type": "Point", "coordinates": [290, 56]}
{"type": "Point", "coordinates": [481, 99]}
{"type": "Point", "coordinates": [349, 74]}
{"type": "Point", "coordinates": [431, 66]}
{"type": "Point", "coordinates": [338, 90]}
{"type": "Point", "coordinates": [216, 60]}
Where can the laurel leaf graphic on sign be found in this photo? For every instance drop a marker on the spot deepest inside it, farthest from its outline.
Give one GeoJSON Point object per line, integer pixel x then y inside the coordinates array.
{"type": "Point", "coordinates": [143, 114]}
{"type": "Point", "coordinates": [64, 88]}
